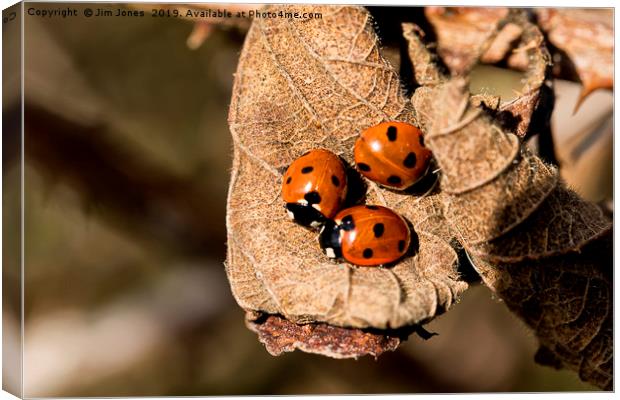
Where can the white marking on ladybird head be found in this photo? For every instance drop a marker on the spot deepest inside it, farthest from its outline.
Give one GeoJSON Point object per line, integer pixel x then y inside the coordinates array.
{"type": "Point", "coordinates": [290, 214]}
{"type": "Point", "coordinates": [330, 252]}
{"type": "Point", "coordinates": [303, 202]}
{"type": "Point", "coordinates": [315, 224]}
{"type": "Point", "coordinates": [316, 207]}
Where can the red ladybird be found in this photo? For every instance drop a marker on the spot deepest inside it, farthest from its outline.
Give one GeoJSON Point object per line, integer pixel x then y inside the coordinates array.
{"type": "Point", "coordinates": [314, 187]}
{"type": "Point", "coordinates": [366, 235]}
{"type": "Point", "coordinates": [392, 154]}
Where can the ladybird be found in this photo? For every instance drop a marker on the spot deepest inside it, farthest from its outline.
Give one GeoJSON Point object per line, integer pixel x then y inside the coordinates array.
{"type": "Point", "coordinates": [392, 154]}
{"type": "Point", "coordinates": [314, 187]}
{"type": "Point", "coordinates": [366, 235]}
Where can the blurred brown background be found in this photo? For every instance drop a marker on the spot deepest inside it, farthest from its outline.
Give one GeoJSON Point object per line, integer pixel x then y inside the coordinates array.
{"type": "Point", "coordinates": [127, 161]}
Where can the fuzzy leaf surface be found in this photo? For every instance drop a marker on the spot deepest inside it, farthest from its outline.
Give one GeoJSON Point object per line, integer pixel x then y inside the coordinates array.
{"type": "Point", "coordinates": [303, 84]}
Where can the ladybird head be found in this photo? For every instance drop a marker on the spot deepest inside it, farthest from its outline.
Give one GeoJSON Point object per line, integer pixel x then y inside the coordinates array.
{"type": "Point", "coordinates": [305, 214]}
{"type": "Point", "coordinates": [330, 239]}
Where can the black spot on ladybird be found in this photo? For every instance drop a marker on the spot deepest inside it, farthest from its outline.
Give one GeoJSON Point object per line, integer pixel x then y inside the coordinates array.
{"type": "Point", "coordinates": [378, 229]}
{"type": "Point", "coordinates": [372, 207]}
{"type": "Point", "coordinates": [347, 223]}
{"type": "Point", "coordinates": [313, 197]}
{"type": "Point", "coordinates": [367, 253]}
{"type": "Point", "coordinates": [391, 133]}
{"type": "Point", "coordinates": [289, 179]}
{"type": "Point", "coordinates": [410, 160]}
{"type": "Point", "coordinates": [335, 180]}
{"type": "Point", "coordinates": [401, 246]}
{"type": "Point", "coordinates": [306, 170]}
{"type": "Point", "coordinates": [363, 167]}
{"type": "Point", "coordinates": [394, 180]}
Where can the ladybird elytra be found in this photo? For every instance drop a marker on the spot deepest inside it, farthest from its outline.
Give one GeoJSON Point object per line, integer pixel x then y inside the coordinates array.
{"type": "Point", "coordinates": [392, 154]}
{"type": "Point", "coordinates": [314, 187]}
{"type": "Point", "coordinates": [366, 235]}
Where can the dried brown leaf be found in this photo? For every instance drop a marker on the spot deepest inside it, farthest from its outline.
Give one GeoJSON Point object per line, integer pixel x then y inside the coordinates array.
{"type": "Point", "coordinates": [562, 223]}
{"type": "Point", "coordinates": [505, 203]}
{"type": "Point", "coordinates": [423, 61]}
{"type": "Point", "coordinates": [302, 84]}
{"type": "Point", "coordinates": [530, 181]}
{"type": "Point", "coordinates": [568, 301]}
{"type": "Point", "coordinates": [503, 42]}
{"type": "Point", "coordinates": [537, 92]}
{"type": "Point", "coordinates": [587, 38]}
{"type": "Point", "coordinates": [467, 35]}
{"type": "Point", "coordinates": [462, 34]}
{"type": "Point", "coordinates": [280, 335]}
{"type": "Point", "coordinates": [484, 151]}
{"type": "Point", "coordinates": [487, 36]}
{"type": "Point", "coordinates": [542, 248]}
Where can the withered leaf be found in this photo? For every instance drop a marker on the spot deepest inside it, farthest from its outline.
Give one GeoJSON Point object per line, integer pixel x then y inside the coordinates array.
{"type": "Point", "coordinates": [542, 248]}
{"type": "Point", "coordinates": [465, 33]}
{"type": "Point", "coordinates": [530, 182]}
{"type": "Point", "coordinates": [587, 38]}
{"type": "Point", "coordinates": [522, 210]}
{"type": "Point", "coordinates": [489, 35]}
{"type": "Point", "coordinates": [568, 301]}
{"type": "Point", "coordinates": [562, 223]}
{"type": "Point", "coordinates": [584, 36]}
{"type": "Point", "coordinates": [502, 43]}
{"type": "Point", "coordinates": [531, 53]}
{"type": "Point", "coordinates": [280, 335]}
{"type": "Point", "coordinates": [478, 158]}
{"type": "Point", "coordinates": [424, 63]}
{"type": "Point", "coordinates": [303, 84]}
